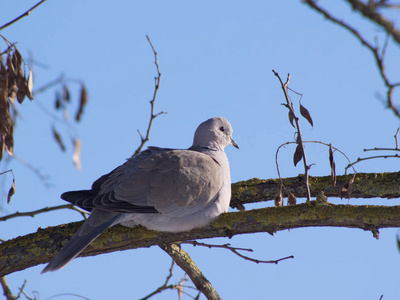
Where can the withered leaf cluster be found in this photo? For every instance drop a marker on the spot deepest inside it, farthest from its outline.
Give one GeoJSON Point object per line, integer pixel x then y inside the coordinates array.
{"type": "Point", "coordinates": [279, 198]}
{"type": "Point", "coordinates": [298, 153]}
{"type": "Point", "coordinates": [14, 84]}
{"type": "Point", "coordinates": [62, 99]}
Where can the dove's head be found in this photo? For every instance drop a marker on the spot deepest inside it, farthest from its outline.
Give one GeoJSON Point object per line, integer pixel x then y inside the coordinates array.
{"type": "Point", "coordinates": [215, 133]}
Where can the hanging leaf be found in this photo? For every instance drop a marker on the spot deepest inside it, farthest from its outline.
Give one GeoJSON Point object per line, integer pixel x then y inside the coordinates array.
{"type": "Point", "coordinates": [3, 85]}
{"type": "Point", "coordinates": [278, 198]}
{"type": "Point", "coordinates": [398, 242]}
{"type": "Point", "coordinates": [76, 157]}
{"type": "Point", "coordinates": [21, 83]}
{"type": "Point", "coordinates": [11, 67]}
{"type": "Point", "coordinates": [298, 155]}
{"type": "Point", "coordinates": [17, 59]}
{"type": "Point", "coordinates": [305, 113]}
{"type": "Point", "coordinates": [65, 94]}
{"type": "Point", "coordinates": [291, 118]}
{"type": "Point", "coordinates": [58, 101]}
{"type": "Point", "coordinates": [9, 140]}
{"type": "Point", "coordinates": [348, 188]}
{"type": "Point", "coordinates": [83, 102]}
{"type": "Point", "coordinates": [29, 85]}
{"type": "Point", "coordinates": [351, 186]}
{"type": "Point", "coordinates": [58, 139]}
{"type": "Point", "coordinates": [2, 146]}
{"type": "Point", "coordinates": [11, 191]}
{"type": "Point", "coordinates": [333, 166]}
{"type": "Point", "coordinates": [291, 199]}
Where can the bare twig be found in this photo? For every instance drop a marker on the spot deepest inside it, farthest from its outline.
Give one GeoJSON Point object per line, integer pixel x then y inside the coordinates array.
{"type": "Point", "coordinates": [371, 157]}
{"type": "Point", "coordinates": [289, 105]}
{"type": "Point", "coordinates": [236, 250]}
{"type": "Point", "coordinates": [397, 149]}
{"type": "Point", "coordinates": [157, 79]}
{"type": "Point", "coordinates": [48, 85]}
{"type": "Point", "coordinates": [43, 210]}
{"type": "Point", "coordinates": [21, 289]}
{"type": "Point", "coordinates": [184, 261]}
{"type": "Point", "coordinates": [163, 287]}
{"type": "Point", "coordinates": [379, 57]}
{"type": "Point", "coordinates": [27, 13]}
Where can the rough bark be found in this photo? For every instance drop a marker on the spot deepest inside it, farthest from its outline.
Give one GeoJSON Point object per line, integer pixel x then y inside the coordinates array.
{"type": "Point", "coordinates": [366, 185]}
{"type": "Point", "coordinates": [183, 260]}
{"type": "Point", "coordinates": [40, 247]}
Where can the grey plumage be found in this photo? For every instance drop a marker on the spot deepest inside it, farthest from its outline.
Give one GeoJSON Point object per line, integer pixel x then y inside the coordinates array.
{"type": "Point", "coordinates": [161, 189]}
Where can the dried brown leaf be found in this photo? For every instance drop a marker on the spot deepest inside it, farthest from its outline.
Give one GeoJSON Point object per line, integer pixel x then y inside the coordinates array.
{"type": "Point", "coordinates": [83, 102]}
{"type": "Point", "coordinates": [76, 157]}
{"type": "Point", "coordinates": [351, 186]}
{"type": "Point", "coordinates": [58, 101]}
{"type": "Point", "coordinates": [291, 199]}
{"type": "Point", "coordinates": [29, 85]}
{"type": "Point", "coordinates": [2, 147]}
{"type": "Point", "coordinates": [9, 140]}
{"type": "Point", "coordinates": [58, 139]}
{"type": "Point", "coordinates": [333, 165]}
{"type": "Point", "coordinates": [65, 94]}
{"type": "Point", "coordinates": [11, 68]}
{"type": "Point", "coordinates": [398, 242]}
{"type": "Point", "coordinates": [291, 117]}
{"type": "Point", "coordinates": [3, 86]}
{"type": "Point", "coordinates": [21, 84]}
{"type": "Point", "coordinates": [348, 187]}
{"type": "Point", "coordinates": [298, 155]}
{"type": "Point", "coordinates": [278, 198]}
{"type": "Point", "coordinates": [11, 191]}
{"type": "Point", "coordinates": [17, 59]}
{"type": "Point", "coordinates": [306, 114]}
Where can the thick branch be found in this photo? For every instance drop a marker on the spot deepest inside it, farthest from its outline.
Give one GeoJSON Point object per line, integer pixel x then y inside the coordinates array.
{"type": "Point", "coordinates": [366, 185]}
{"type": "Point", "coordinates": [183, 260]}
{"type": "Point", "coordinates": [40, 247]}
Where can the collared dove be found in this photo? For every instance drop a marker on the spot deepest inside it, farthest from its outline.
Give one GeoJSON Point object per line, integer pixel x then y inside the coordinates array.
{"type": "Point", "coordinates": [161, 189]}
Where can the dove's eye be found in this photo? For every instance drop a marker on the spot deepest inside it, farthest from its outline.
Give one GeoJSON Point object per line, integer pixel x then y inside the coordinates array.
{"type": "Point", "coordinates": [222, 128]}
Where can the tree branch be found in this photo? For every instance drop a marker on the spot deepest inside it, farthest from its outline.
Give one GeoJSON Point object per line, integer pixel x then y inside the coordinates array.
{"type": "Point", "coordinates": [27, 13]}
{"type": "Point", "coordinates": [40, 247]}
{"type": "Point", "coordinates": [157, 79]}
{"type": "Point", "coordinates": [366, 185]}
{"type": "Point", "coordinates": [379, 57]}
{"type": "Point", "coordinates": [183, 260]}
{"type": "Point", "coordinates": [370, 12]}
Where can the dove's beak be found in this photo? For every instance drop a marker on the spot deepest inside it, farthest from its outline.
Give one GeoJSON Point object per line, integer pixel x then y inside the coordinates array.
{"type": "Point", "coordinates": [234, 144]}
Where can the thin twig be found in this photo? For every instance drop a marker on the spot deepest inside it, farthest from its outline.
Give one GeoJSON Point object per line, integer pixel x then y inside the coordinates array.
{"type": "Point", "coordinates": [157, 79]}
{"type": "Point", "coordinates": [43, 210]}
{"type": "Point", "coordinates": [372, 157]}
{"type": "Point", "coordinates": [379, 57]}
{"type": "Point", "coordinates": [299, 136]}
{"type": "Point", "coordinates": [163, 287]}
{"type": "Point", "coordinates": [21, 289]}
{"type": "Point", "coordinates": [397, 149]}
{"type": "Point", "coordinates": [27, 13]}
{"type": "Point", "coordinates": [235, 251]}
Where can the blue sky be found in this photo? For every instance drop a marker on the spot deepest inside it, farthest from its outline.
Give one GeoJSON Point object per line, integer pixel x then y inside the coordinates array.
{"type": "Point", "coordinates": [216, 59]}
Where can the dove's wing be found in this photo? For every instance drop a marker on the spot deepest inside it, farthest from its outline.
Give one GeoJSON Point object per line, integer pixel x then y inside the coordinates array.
{"type": "Point", "coordinates": [171, 182]}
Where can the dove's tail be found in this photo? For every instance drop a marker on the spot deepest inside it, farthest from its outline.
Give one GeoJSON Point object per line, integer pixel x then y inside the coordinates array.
{"type": "Point", "coordinates": [97, 223]}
